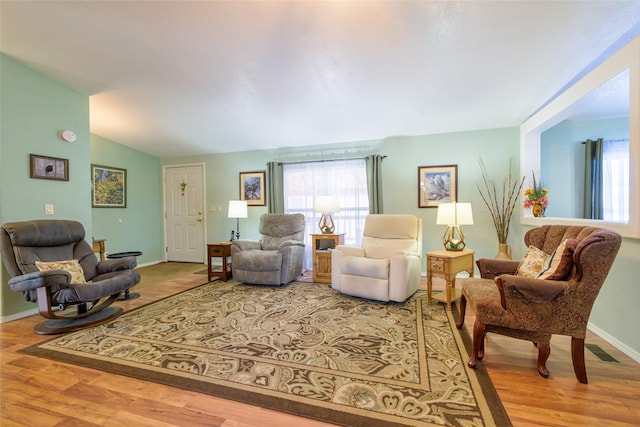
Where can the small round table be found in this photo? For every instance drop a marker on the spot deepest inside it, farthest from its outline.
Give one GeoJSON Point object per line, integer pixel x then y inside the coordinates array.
{"type": "Point", "coordinates": [126, 295]}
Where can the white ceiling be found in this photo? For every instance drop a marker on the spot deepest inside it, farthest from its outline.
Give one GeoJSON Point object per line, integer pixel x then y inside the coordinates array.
{"type": "Point", "coordinates": [174, 78]}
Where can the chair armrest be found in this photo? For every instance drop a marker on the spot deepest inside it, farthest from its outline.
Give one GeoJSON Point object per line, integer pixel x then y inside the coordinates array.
{"type": "Point", "coordinates": [491, 268]}
{"type": "Point", "coordinates": [532, 290]}
{"type": "Point", "coordinates": [287, 243]}
{"type": "Point", "coordinates": [350, 250]}
{"type": "Point", "coordinates": [39, 279]}
{"type": "Point", "coordinates": [400, 252]}
{"type": "Point", "coordinates": [245, 245]}
{"type": "Point", "coordinates": [118, 264]}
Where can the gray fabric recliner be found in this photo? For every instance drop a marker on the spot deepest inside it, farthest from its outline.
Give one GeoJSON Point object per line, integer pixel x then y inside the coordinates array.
{"type": "Point", "coordinates": [27, 242]}
{"type": "Point", "coordinates": [277, 257]}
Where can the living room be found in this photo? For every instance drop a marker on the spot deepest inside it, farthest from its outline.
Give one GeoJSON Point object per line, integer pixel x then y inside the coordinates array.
{"type": "Point", "coordinates": [35, 107]}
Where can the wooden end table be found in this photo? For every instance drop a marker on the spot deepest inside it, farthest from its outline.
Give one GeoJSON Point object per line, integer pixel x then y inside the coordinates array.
{"type": "Point", "coordinates": [446, 265]}
{"type": "Point", "coordinates": [219, 250]}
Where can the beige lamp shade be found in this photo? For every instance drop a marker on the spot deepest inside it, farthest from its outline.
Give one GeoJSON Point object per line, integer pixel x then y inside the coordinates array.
{"type": "Point", "coordinates": [237, 210]}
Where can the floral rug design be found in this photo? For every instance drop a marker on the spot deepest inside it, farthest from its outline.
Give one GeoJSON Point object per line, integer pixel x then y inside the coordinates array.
{"type": "Point", "coordinates": [301, 348]}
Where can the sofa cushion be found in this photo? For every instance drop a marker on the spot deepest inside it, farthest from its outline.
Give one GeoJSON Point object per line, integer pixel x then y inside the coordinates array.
{"type": "Point", "coordinates": [368, 267]}
{"type": "Point", "coordinates": [560, 263]}
{"type": "Point", "coordinates": [532, 263]}
{"type": "Point", "coordinates": [71, 266]}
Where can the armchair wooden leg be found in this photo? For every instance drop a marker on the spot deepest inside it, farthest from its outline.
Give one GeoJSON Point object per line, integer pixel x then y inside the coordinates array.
{"type": "Point", "coordinates": [479, 332]}
{"type": "Point", "coordinates": [463, 309]}
{"type": "Point", "coordinates": [544, 350]}
{"type": "Point", "coordinates": [577, 356]}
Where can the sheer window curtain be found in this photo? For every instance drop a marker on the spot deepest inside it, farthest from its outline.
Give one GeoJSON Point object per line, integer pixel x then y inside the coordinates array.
{"type": "Point", "coordinates": [346, 179]}
{"type": "Point", "coordinates": [607, 180]}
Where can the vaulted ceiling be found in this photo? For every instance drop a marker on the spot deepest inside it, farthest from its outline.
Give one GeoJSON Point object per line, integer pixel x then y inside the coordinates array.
{"type": "Point", "coordinates": [174, 78]}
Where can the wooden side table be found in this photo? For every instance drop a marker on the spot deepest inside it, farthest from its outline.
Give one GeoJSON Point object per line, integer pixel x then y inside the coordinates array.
{"type": "Point", "coordinates": [321, 246]}
{"type": "Point", "coordinates": [98, 246]}
{"type": "Point", "coordinates": [219, 250]}
{"type": "Point", "coordinates": [446, 265]}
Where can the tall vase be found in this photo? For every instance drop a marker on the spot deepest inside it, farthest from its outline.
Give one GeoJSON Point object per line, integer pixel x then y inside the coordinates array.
{"type": "Point", "coordinates": [504, 251]}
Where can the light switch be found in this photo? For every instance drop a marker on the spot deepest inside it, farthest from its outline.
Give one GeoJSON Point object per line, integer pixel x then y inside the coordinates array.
{"type": "Point", "coordinates": [212, 208]}
{"type": "Point", "coordinates": [48, 209]}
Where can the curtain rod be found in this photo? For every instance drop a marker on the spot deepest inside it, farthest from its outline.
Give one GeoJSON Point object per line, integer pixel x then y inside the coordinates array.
{"type": "Point", "coordinates": [607, 140]}
{"type": "Point", "coordinates": [326, 160]}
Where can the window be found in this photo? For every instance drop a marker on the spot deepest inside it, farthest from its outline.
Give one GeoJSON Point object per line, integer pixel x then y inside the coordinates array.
{"type": "Point", "coordinates": [615, 180]}
{"type": "Point", "coordinates": [345, 179]}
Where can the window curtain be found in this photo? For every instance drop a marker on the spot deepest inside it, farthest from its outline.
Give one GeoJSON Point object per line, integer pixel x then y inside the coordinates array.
{"type": "Point", "coordinates": [615, 177]}
{"type": "Point", "coordinates": [275, 196]}
{"type": "Point", "coordinates": [346, 179]}
{"type": "Point", "coordinates": [374, 183]}
{"type": "Point", "coordinates": [593, 178]}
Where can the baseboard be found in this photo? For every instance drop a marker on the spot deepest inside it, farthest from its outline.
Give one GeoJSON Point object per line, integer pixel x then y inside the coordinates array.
{"type": "Point", "coordinates": [614, 342]}
{"type": "Point", "coordinates": [20, 315]}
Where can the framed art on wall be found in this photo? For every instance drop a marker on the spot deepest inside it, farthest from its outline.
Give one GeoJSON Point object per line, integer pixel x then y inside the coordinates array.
{"type": "Point", "coordinates": [252, 188]}
{"type": "Point", "coordinates": [109, 187]}
{"type": "Point", "coordinates": [436, 185]}
{"type": "Point", "coordinates": [43, 167]}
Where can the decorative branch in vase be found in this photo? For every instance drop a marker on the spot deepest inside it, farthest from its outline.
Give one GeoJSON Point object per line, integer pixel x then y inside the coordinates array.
{"type": "Point", "coordinates": [536, 198]}
{"type": "Point", "coordinates": [501, 203]}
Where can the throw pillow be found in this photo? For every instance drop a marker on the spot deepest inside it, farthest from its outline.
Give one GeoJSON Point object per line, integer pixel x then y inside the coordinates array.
{"type": "Point", "coordinates": [532, 263]}
{"type": "Point", "coordinates": [561, 262]}
{"type": "Point", "coordinates": [71, 266]}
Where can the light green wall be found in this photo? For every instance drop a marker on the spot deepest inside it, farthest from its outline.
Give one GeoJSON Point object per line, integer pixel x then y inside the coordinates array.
{"type": "Point", "coordinates": [139, 226]}
{"type": "Point", "coordinates": [34, 109]}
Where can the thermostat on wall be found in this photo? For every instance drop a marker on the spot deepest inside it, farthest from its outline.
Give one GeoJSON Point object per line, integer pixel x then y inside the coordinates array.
{"type": "Point", "coordinates": [67, 135]}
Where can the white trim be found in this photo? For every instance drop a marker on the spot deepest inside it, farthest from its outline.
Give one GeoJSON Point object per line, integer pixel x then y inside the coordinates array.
{"type": "Point", "coordinates": [17, 316]}
{"type": "Point", "coordinates": [615, 342]}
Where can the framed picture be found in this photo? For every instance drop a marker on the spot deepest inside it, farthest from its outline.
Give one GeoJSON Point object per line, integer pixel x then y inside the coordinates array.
{"type": "Point", "coordinates": [43, 167]}
{"type": "Point", "coordinates": [109, 187]}
{"type": "Point", "coordinates": [252, 188]}
{"type": "Point", "coordinates": [437, 184]}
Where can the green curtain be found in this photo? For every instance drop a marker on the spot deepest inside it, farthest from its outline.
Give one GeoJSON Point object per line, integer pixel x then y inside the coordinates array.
{"type": "Point", "coordinates": [374, 183]}
{"type": "Point", "coordinates": [275, 189]}
{"type": "Point", "coordinates": [593, 178]}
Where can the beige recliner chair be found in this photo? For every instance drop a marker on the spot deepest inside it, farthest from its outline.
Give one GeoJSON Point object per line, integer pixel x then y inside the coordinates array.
{"type": "Point", "coordinates": [388, 265]}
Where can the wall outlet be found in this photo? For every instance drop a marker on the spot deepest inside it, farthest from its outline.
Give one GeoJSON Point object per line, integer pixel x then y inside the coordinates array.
{"type": "Point", "coordinates": [48, 209]}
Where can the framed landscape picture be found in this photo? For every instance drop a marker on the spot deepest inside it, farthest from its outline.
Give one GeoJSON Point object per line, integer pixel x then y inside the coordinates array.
{"type": "Point", "coordinates": [43, 167]}
{"type": "Point", "coordinates": [252, 188]}
{"type": "Point", "coordinates": [436, 185]}
{"type": "Point", "coordinates": [109, 186]}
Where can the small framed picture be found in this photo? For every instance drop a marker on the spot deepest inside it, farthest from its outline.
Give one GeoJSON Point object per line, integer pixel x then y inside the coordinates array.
{"type": "Point", "coordinates": [252, 188]}
{"type": "Point", "coordinates": [43, 167]}
{"type": "Point", "coordinates": [109, 187]}
{"type": "Point", "coordinates": [436, 185]}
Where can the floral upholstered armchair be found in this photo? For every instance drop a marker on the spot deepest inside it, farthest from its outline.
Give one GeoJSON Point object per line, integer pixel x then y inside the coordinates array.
{"type": "Point", "coordinates": [550, 291]}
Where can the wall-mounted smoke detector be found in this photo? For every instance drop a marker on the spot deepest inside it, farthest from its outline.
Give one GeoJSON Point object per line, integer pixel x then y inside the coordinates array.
{"type": "Point", "coordinates": [67, 135]}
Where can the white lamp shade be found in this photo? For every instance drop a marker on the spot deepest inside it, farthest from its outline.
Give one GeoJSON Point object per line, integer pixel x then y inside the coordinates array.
{"type": "Point", "coordinates": [454, 214]}
{"type": "Point", "coordinates": [237, 209]}
{"type": "Point", "coordinates": [326, 204]}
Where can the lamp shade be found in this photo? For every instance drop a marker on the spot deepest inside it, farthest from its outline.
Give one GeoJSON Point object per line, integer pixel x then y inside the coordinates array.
{"type": "Point", "coordinates": [237, 209]}
{"type": "Point", "coordinates": [326, 204]}
{"type": "Point", "coordinates": [454, 214]}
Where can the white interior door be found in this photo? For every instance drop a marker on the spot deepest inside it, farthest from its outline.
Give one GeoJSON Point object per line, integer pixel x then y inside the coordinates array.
{"type": "Point", "coordinates": [184, 213]}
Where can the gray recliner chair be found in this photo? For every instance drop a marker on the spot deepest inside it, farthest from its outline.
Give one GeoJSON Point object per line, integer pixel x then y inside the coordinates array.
{"type": "Point", "coordinates": [42, 257]}
{"type": "Point", "coordinates": [277, 257]}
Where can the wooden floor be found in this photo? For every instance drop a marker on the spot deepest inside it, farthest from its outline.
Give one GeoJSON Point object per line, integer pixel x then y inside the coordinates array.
{"type": "Point", "coordinates": [37, 392]}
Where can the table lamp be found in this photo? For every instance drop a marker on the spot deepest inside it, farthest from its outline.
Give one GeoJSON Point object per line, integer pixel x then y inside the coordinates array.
{"type": "Point", "coordinates": [453, 215]}
{"type": "Point", "coordinates": [237, 210]}
{"type": "Point", "coordinates": [326, 205]}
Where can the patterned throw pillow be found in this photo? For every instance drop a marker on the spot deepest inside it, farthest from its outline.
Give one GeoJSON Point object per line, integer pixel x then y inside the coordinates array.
{"type": "Point", "coordinates": [532, 263]}
{"type": "Point", "coordinates": [71, 266]}
{"type": "Point", "coordinates": [561, 262]}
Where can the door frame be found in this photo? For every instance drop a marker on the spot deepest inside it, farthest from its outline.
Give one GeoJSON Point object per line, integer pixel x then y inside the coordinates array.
{"type": "Point", "coordinates": [201, 165]}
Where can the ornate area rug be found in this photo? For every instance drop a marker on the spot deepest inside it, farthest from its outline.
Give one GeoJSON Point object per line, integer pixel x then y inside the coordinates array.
{"type": "Point", "coordinates": [301, 348]}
